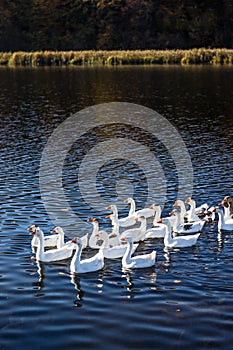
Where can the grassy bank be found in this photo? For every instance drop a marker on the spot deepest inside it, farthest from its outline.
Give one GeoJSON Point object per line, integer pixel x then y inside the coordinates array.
{"type": "Point", "coordinates": [61, 58]}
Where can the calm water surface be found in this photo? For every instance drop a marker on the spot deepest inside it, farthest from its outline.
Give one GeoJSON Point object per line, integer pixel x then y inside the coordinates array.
{"type": "Point", "coordinates": [185, 301]}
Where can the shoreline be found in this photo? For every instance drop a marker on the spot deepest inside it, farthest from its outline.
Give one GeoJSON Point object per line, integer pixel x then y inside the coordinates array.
{"type": "Point", "coordinates": [194, 56]}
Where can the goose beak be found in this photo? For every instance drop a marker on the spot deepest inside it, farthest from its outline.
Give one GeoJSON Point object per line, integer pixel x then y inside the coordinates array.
{"type": "Point", "coordinates": [90, 220]}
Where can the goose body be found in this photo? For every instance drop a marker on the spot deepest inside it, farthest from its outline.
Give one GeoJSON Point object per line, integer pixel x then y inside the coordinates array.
{"type": "Point", "coordinates": [92, 264]}
{"type": "Point", "coordinates": [53, 254]}
{"type": "Point", "coordinates": [224, 224]}
{"type": "Point", "coordinates": [138, 233]}
{"type": "Point", "coordinates": [188, 227]}
{"type": "Point", "coordinates": [139, 261]}
{"type": "Point", "coordinates": [178, 242]}
{"type": "Point", "coordinates": [49, 240]}
{"type": "Point", "coordinates": [114, 252]}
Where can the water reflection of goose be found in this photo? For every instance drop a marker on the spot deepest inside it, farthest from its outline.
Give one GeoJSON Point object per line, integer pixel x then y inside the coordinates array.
{"type": "Point", "coordinates": [139, 261]}
{"type": "Point", "coordinates": [52, 254]}
{"type": "Point", "coordinates": [41, 273]}
{"type": "Point", "coordinates": [178, 242]}
{"type": "Point", "coordinates": [75, 280]}
{"type": "Point", "coordinates": [48, 241]}
{"type": "Point", "coordinates": [94, 263]}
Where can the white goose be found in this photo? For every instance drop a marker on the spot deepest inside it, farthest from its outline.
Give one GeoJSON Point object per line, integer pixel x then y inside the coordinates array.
{"type": "Point", "coordinates": [228, 207]}
{"type": "Point", "coordinates": [92, 264]}
{"type": "Point", "coordinates": [224, 224]}
{"type": "Point", "coordinates": [114, 237]}
{"type": "Point", "coordinates": [128, 220]}
{"type": "Point", "coordinates": [159, 229]}
{"type": "Point", "coordinates": [178, 242]}
{"type": "Point", "coordinates": [138, 233]}
{"type": "Point", "coordinates": [183, 212]}
{"type": "Point", "coordinates": [49, 240]}
{"type": "Point", "coordinates": [113, 252]}
{"type": "Point", "coordinates": [188, 227]}
{"type": "Point", "coordinates": [61, 237]}
{"type": "Point", "coordinates": [139, 261]}
{"type": "Point", "coordinates": [93, 238]}
{"type": "Point", "coordinates": [53, 254]}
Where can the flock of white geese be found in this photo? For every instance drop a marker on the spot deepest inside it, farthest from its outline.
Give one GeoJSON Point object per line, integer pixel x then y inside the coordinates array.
{"type": "Point", "coordinates": [181, 229]}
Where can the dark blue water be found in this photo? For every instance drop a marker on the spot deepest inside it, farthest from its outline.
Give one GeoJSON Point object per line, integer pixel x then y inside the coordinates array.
{"type": "Point", "coordinates": [185, 301]}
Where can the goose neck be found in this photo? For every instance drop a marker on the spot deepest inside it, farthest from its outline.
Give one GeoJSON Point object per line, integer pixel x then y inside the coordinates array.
{"type": "Point", "coordinates": [132, 207]}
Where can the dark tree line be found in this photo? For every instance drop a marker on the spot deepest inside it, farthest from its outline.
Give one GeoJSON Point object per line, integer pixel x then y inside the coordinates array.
{"type": "Point", "coordinates": [115, 24]}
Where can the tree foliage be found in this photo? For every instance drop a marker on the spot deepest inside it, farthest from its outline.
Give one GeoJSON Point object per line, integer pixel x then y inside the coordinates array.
{"type": "Point", "coordinates": [115, 24]}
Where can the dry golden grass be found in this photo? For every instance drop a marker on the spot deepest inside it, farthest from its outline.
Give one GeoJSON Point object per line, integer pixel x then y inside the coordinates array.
{"type": "Point", "coordinates": [92, 57]}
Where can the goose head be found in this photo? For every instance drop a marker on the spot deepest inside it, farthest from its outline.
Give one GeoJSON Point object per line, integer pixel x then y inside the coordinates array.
{"type": "Point", "coordinates": [189, 201]}
{"type": "Point", "coordinates": [32, 229]}
{"type": "Point", "coordinates": [113, 208]}
{"type": "Point", "coordinates": [37, 232]}
{"type": "Point", "coordinates": [57, 229]}
{"type": "Point", "coordinates": [178, 203]}
{"type": "Point", "coordinates": [128, 200]}
{"type": "Point", "coordinates": [176, 211]}
{"type": "Point", "coordinates": [93, 221]}
{"type": "Point", "coordinates": [140, 218]}
{"type": "Point", "coordinates": [127, 239]}
{"type": "Point", "coordinates": [76, 240]}
{"type": "Point", "coordinates": [226, 202]}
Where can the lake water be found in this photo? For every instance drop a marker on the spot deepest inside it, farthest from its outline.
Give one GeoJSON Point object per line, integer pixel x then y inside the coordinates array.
{"type": "Point", "coordinates": [185, 301]}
